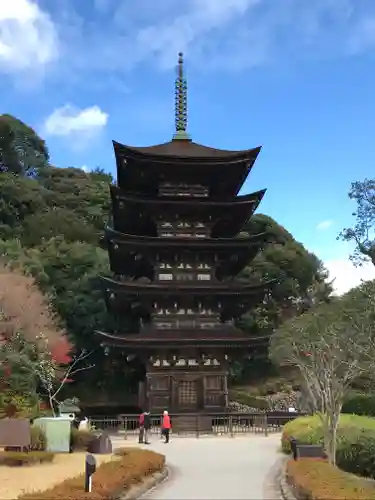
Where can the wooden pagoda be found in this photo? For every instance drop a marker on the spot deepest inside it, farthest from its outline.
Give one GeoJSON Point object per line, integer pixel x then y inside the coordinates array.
{"type": "Point", "coordinates": [174, 250]}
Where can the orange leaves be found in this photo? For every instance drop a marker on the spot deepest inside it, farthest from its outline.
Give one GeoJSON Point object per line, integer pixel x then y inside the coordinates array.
{"type": "Point", "coordinates": [316, 479]}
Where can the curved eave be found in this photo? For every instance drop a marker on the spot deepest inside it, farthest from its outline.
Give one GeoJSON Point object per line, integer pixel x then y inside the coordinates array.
{"type": "Point", "coordinates": [179, 338]}
{"type": "Point", "coordinates": [179, 288]}
{"type": "Point", "coordinates": [183, 152]}
{"type": "Point", "coordinates": [127, 240]}
{"type": "Point", "coordinates": [118, 194]}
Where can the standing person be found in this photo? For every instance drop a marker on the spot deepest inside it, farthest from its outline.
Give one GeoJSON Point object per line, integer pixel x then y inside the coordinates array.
{"type": "Point", "coordinates": [166, 426]}
{"type": "Point", "coordinates": [146, 425]}
{"type": "Point", "coordinates": [141, 427]}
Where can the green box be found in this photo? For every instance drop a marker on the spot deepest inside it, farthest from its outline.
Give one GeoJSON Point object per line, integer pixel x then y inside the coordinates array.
{"type": "Point", "coordinates": [57, 431]}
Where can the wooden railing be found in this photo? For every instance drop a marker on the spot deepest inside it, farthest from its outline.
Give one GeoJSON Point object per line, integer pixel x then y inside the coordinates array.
{"type": "Point", "coordinates": [222, 424]}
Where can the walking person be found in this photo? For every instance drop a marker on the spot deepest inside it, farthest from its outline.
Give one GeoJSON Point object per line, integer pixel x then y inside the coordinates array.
{"type": "Point", "coordinates": [141, 427]}
{"type": "Point", "coordinates": [146, 425]}
{"type": "Point", "coordinates": [166, 426]}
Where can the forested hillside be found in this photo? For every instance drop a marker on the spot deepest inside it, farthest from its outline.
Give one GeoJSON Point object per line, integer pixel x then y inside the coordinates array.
{"type": "Point", "coordinates": [51, 222]}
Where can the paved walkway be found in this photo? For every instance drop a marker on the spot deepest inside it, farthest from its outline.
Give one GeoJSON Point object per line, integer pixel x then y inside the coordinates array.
{"type": "Point", "coordinates": [218, 467]}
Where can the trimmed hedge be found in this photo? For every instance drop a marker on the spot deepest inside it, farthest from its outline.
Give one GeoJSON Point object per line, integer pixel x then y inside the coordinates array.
{"type": "Point", "coordinates": [359, 404]}
{"type": "Point", "coordinates": [313, 479]}
{"type": "Point", "coordinates": [110, 480]}
{"type": "Point", "coordinates": [20, 458]}
{"type": "Point", "coordinates": [355, 441]}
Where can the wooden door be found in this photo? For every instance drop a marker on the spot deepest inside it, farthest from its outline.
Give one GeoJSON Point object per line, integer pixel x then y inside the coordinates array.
{"type": "Point", "coordinates": [188, 395]}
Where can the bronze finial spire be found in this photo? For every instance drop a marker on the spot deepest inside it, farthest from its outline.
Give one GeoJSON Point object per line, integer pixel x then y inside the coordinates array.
{"type": "Point", "coordinates": [181, 101]}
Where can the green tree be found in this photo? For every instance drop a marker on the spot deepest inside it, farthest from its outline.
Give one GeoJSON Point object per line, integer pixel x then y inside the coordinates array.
{"type": "Point", "coordinates": [362, 233]}
{"type": "Point", "coordinates": [22, 151]}
{"type": "Point", "coordinates": [332, 345]}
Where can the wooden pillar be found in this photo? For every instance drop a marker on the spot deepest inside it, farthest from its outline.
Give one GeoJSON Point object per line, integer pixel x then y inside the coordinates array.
{"type": "Point", "coordinates": [225, 381]}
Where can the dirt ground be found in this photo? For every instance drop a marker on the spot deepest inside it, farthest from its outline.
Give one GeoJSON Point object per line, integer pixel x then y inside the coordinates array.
{"type": "Point", "coordinates": [15, 481]}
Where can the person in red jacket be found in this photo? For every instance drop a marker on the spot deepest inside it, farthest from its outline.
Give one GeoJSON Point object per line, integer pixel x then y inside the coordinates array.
{"type": "Point", "coordinates": [166, 426]}
{"type": "Point", "coordinates": [141, 427]}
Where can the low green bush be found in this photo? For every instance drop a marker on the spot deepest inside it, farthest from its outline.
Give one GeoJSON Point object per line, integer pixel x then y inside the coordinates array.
{"type": "Point", "coordinates": [19, 458]}
{"type": "Point", "coordinates": [359, 404]}
{"type": "Point", "coordinates": [355, 440]}
{"type": "Point", "coordinates": [81, 439]}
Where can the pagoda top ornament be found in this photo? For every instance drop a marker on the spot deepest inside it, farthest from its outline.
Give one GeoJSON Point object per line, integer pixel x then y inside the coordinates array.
{"type": "Point", "coordinates": [181, 111]}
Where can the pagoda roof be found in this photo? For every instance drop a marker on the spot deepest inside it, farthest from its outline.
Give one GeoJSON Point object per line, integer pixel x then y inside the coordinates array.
{"type": "Point", "coordinates": [117, 193]}
{"type": "Point", "coordinates": [183, 288]}
{"type": "Point", "coordinates": [231, 214]}
{"type": "Point", "coordinates": [182, 338]}
{"type": "Point", "coordinates": [194, 243]}
{"type": "Point", "coordinates": [184, 150]}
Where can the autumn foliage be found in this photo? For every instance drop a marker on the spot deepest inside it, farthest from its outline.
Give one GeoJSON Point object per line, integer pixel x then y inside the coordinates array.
{"type": "Point", "coordinates": [24, 309]}
{"type": "Point", "coordinates": [110, 480]}
{"type": "Point", "coordinates": [313, 479]}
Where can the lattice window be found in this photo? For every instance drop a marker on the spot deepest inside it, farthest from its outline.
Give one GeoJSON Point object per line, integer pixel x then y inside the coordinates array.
{"type": "Point", "coordinates": [187, 393]}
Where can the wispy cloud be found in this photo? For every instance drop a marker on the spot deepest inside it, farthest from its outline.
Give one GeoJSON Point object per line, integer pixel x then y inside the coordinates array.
{"type": "Point", "coordinates": [112, 36]}
{"type": "Point", "coordinates": [325, 224]}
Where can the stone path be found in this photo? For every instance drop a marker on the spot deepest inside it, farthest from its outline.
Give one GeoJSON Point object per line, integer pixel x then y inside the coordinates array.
{"type": "Point", "coordinates": [218, 467]}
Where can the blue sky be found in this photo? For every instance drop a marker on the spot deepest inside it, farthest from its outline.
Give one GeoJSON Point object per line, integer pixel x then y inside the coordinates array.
{"type": "Point", "coordinates": [295, 76]}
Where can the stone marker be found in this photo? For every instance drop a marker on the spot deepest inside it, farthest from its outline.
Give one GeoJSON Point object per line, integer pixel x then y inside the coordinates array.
{"type": "Point", "coordinates": [101, 445]}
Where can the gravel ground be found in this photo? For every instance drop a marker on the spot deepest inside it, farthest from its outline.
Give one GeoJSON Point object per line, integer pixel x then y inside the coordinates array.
{"type": "Point", "coordinates": [15, 481]}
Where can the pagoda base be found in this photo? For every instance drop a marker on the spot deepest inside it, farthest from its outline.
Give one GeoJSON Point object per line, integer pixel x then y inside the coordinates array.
{"type": "Point", "coordinates": [185, 391]}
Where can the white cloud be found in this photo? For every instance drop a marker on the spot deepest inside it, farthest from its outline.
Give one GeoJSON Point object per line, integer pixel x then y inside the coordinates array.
{"type": "Point", "coordinates": [72, 121]}
{"type": "Point", "coordinates": [28, 36]}
{"type": "Point", "coordinates": [325, 224]}
{"type": "Point", "coordinates": [348, 276]}
{"type": "Point", "coordinates": [85, 168]}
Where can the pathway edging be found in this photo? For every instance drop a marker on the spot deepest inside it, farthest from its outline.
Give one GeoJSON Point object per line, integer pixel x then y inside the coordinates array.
{"type": "Point", "coordinates": [148, 484]}
{"type": "Point", "coordinates": [285, 490]}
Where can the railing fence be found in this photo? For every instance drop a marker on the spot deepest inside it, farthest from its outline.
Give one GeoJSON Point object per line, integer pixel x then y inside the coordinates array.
{"type": "Point", "coordinates": [228, 424]}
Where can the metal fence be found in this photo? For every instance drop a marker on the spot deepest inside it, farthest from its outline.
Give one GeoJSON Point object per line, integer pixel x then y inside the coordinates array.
{"type": "Point", "coordinates": [228, 424]}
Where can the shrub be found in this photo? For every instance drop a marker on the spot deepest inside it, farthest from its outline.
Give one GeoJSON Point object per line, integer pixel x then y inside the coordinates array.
{"type": "Point", "coordinates": [355, 441]}
{"type": "Point", "coordinates": [316, 479]}
{"type": "Point", "coordinates": [356, 452]}
{"type": "Point", "coordinates": [19, 458]}
{"type": "Point", "coordinates": [247, 399]}
{"type": "Point", "coordinates": [110, 479]}
{"type": "Point", "coordinates": [38, 438]}
{"type": "Point", "coordinates": [360, 404]}
{"type": "Point", "coordinates": [308, 430]}
{"type": "Point", "coordinates": [81, 439]}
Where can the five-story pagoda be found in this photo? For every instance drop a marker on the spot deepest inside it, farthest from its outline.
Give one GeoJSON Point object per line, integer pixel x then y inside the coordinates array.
{"type": "Point", "coordinates": [174, 250]}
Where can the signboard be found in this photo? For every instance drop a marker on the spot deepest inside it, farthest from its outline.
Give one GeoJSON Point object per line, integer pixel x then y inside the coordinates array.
{"type": "Point", "coordinates": [15, 432]}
